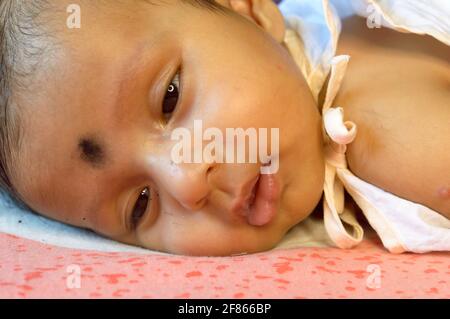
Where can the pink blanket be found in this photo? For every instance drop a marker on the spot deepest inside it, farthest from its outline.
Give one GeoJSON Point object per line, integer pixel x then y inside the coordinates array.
{"type": "Point", "coordinates": [29, 269]}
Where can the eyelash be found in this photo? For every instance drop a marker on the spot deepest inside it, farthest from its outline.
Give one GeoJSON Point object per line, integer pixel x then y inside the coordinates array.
{"type": "Point", "coordinates": [146, 193]}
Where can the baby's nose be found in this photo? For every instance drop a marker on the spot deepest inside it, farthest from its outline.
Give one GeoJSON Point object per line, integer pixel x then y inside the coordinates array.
{"type": "Point", "coordinates": [187, 184]}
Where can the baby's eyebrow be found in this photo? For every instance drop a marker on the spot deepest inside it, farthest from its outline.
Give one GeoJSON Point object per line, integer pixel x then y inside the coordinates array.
{"type": "Point", "coordinates": [92, 151]}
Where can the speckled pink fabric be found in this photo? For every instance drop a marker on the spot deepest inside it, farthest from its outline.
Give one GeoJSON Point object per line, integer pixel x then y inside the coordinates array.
{"type": "Point", "coordinates": [29, 269]}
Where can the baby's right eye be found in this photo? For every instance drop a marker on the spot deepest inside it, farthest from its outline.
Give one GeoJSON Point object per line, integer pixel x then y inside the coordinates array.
{"type": "Point", "coordinates": [171, 98]}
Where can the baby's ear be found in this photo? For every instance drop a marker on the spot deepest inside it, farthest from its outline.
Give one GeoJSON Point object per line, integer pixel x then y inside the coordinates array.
{"type": "Point", "coordinates": [264, 13]}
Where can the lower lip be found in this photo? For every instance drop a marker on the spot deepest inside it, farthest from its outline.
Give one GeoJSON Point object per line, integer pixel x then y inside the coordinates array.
{"type": "Point", "coordinates": [264, 206]}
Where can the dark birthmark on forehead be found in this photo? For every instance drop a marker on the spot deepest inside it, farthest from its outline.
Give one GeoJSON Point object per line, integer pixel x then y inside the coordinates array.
{"type": "Point", "coordinates": [92, 151]}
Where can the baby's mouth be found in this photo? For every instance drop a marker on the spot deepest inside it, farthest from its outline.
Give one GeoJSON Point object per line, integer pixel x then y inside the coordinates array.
{"type": "Point", "coordinates": [260, 206]}
{"type": "Point", "coordinates": [249, 201]}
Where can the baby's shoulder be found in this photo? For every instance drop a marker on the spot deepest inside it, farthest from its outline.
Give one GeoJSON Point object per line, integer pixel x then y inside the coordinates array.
{"type": "Point", "coordinates": [399, 101]}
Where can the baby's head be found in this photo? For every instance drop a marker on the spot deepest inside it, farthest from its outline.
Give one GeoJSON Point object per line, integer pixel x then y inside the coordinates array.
{"type": "Point", "coordinates": [88, 114]}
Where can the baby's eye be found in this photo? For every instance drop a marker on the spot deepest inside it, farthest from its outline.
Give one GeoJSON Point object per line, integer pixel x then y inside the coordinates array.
{"type": "Point", "coordinates": [140, 207]}
{"type": "Point", "coordinates": [171, 98]}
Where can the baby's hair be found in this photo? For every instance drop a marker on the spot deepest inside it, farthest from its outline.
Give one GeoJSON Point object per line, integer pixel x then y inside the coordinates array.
{"type": "Point", "coordinates": [19, 56]}
{"type": "Point", "coordinates": [21, 52]}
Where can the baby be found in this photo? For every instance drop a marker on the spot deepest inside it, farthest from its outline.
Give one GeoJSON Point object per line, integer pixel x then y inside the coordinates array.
{"type": "Point", "coordinates": [87, 115]}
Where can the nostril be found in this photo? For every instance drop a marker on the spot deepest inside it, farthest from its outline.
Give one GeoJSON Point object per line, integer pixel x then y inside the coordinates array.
{"type": "Point", "coordinates": [200, 203]}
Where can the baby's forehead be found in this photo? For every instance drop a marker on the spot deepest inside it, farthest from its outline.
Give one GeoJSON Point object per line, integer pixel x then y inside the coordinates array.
{"type": "Point", "coordinates": [53, 174]}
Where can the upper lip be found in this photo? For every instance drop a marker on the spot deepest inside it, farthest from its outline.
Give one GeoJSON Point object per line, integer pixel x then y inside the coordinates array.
{"type": "Point", "coordinates": [240, 203]}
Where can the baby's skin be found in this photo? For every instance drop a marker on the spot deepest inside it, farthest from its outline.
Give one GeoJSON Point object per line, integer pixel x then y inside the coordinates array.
{"type": "Point", "coordinates": [397, 90]}
{"type": "Point", "coordinates": [96, 150]}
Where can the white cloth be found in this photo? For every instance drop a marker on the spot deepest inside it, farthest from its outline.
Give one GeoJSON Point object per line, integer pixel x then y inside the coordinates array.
{"type": "Point", "coordinates": [25, 224]}
{"type": "Point", "coordinates": [318, 23]}
{"type": "Point", "coordinates": [402, 225]}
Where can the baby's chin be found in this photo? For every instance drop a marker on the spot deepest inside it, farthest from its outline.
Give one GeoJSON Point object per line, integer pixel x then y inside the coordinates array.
{"type": "Point", "coordinates": [222, 251]}
{"type": "Point", "coordinates": [226, 247]}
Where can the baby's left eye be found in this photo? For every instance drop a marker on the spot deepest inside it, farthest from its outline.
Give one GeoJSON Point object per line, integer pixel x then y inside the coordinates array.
{"type": "Point", "coordinates": [171, 98]}
{"type": "Point", "coordinates": [140, 207]}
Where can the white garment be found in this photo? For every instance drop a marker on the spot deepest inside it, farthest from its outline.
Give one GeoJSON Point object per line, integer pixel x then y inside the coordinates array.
{"type": "Point", "coordinates": [311, 38]}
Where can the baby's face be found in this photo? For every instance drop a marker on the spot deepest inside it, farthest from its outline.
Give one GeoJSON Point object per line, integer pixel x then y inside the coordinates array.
{"type": "Point", "coordinates": [97, 147]}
